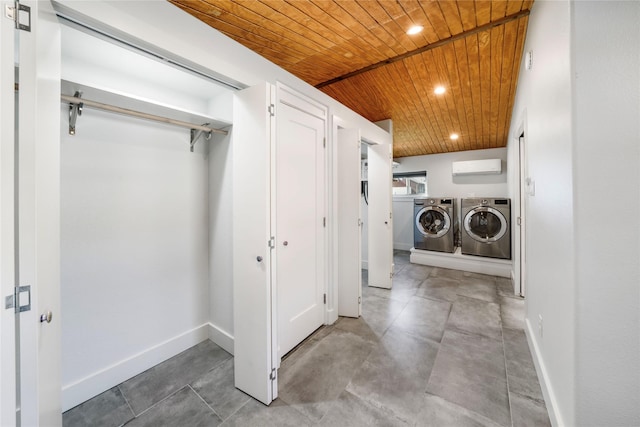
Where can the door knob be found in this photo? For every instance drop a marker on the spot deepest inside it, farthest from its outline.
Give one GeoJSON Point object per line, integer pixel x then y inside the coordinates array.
{"type": "Point", "coordinates": [259, 259]}
{"type": "Point", "coordinates": [46, 317]}
{"type": "Point", "coordinates": [285, 243]}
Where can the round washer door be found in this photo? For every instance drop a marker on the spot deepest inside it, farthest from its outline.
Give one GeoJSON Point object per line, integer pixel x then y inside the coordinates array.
{"type": "Point", "coordinates": [432, 221]}
{"type": "Point", "coordinates": [485, 224]}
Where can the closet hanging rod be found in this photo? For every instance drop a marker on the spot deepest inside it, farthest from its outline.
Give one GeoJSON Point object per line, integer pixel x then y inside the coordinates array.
{"type": "Point", "coordinates": [88, 103]}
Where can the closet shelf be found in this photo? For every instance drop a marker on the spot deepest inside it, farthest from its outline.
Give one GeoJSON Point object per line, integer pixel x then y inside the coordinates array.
{"type": "Point", "coordinates": [79, 96]}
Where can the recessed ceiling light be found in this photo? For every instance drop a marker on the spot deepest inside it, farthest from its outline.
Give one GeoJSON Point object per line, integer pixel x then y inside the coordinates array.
{"type": "Point", "coordinates": [454, 136]}
{"type": "Point", "coordinates": [415, 29]}
{"type": "Point", "coordinates": [439, 90]}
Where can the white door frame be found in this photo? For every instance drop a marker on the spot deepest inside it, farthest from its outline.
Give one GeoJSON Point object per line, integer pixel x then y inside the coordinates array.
{"type": "Point", "coordinates": [349, 220]}
{"type": "Point", "coordinates": [519, 206]}
{"type": "Point", "coordinates": [522, 211]}
{"type": "Point", "coordinates": [7, 224]}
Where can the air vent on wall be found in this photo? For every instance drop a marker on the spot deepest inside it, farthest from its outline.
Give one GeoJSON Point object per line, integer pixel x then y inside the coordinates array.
{"type": "Point", "coordinates": [477, 167]}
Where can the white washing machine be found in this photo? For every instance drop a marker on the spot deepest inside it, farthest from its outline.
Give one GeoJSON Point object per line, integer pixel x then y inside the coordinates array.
{"type": "Point", "coordinates": [486, 227]}
{"type": "Point", "coordinates": [435, 224]}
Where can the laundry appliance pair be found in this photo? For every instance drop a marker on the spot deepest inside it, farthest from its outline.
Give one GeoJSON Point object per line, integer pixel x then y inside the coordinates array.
{"type": "Point", "coordinates": [485, 230]}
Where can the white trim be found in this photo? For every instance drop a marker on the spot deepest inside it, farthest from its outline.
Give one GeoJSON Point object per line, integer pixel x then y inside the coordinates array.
{"type": "Point", "coordinates": [516, 289]}
{"type": "Point", "coordinates": [365, 264]}
{"type": "Point", "coordinates": [221, 338]}
{"type": "Point", "coordinates": [75, 393]}
{"type": "Point", "coordinates": [550, 399]}
{"type": "Point", "coordinates": [458, 261]}
{"type": "Point", "coordinates": [402, 246]}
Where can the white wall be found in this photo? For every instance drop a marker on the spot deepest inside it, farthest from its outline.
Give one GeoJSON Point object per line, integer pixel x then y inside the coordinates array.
{"type": "Point", "coordinates": [441, 183]}
{"type": "Point", "coordinates": [164, 28]}
{"type": "Point", "coordinates": [134, 226]}
{"type": "Point", "coordinates": [543, 108]}
{"type": "Point", "coordinates": [578, 107]}
{"type": "Point", "coordinates": [607, 169]}
{"type": "Point", "coordinates": [221, 241]}
{"type": "Point", "coordinates": [161, 26]}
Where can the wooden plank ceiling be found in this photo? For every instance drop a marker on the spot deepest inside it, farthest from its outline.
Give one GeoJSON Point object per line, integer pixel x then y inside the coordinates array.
{"type": "Point", "coordinates": [358, 52]}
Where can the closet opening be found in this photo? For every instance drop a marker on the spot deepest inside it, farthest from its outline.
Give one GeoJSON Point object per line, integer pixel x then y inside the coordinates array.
{"type": "Point", "coordinates": [141, 188]}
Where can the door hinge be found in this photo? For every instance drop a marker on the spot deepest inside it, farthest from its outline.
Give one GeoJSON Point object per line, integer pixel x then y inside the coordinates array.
{"type": "Point", "coordinates": [13, 13]}
{"type": "Point", "coordinates": [13, 301]}
{"type": "Point", "coordinates": [324, 298]}
{"type": "Point", "coordinates": [519, 221]}
{"type": "Point", "coordinates": [272, 242]}
{"type": "Point", "coordinates": [272, 375]}
{"type": "Point", "coordinates": [324, 142]}
{"type": "Point", "coordinates": [359, 300]}
{"type": "Point", "coordinates": [272, 110]}
{"type": "Point", "coordinates": [391, 275]}
{"type": "Point", "coordinates": [324, 221]}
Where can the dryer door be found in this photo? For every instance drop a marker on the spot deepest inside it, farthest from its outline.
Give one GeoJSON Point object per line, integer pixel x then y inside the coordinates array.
{"type": "Point", "coordinates": [432, 222]}
{"type": "Point", "coordinates": [485, 224]}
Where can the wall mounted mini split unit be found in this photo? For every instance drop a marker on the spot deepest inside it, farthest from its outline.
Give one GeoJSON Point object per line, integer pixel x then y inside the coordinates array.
{"type": "Point", "coordinates": [477, 167]}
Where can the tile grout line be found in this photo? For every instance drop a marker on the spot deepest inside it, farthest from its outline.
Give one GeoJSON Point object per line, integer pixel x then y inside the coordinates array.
{"type": "Point", "coordinates": [205, 402]}
{"type": "Point", "coordinates": [238, 410]}
{"type": "Point", "coordinates": [128, 404]}
{"type": "Point", "coordinates": [506, 369]}
{"type": "Point", "coordinates": [160, 401]}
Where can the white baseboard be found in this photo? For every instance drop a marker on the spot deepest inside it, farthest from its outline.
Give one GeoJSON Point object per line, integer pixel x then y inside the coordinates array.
{"type": "Point", "coordinates": [458, 261]}
{"type": "Point", "coordinates": [543, 377]}
{"type": "Point", "coordinates": [84, 389]}
{"type": "Point", "coordinates": [402, 246]}
{"type": "Point", "coordinates": [221, 337]}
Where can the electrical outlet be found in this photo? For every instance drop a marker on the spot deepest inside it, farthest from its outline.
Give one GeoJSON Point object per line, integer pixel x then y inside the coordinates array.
{"type": "Point", "coordinates": [540, 325]}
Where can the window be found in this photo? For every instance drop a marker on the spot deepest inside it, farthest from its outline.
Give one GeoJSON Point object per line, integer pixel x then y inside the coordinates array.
{"type": "Point", "coordinates": [408, 183]}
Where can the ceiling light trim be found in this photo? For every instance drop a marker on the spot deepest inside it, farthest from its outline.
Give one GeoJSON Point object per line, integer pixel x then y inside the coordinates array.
{"type": "Point", "coordinates": [428, 47]}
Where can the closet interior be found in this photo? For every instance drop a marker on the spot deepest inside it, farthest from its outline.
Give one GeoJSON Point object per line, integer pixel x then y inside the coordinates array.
{"type": "Point", "coordinates": [136, 210]}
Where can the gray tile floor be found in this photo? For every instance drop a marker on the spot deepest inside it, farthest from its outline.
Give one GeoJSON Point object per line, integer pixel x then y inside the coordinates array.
{"type": "Point", "coordinates": [442, 348]}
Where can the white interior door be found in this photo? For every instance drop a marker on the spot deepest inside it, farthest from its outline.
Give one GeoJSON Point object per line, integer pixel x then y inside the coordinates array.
{"type": "Point", "coordinates": [380, 216]}
{"type": "Point", "coordinates": [255, 351]}
{"type": "Point", "coordinates": [7, 223]}
{"type": "Point", "coordinates": [299, 220]}
{"type": "Point", "coordinates": [39, 215]}
{"type": "Point", "coordinates": [349, 224]}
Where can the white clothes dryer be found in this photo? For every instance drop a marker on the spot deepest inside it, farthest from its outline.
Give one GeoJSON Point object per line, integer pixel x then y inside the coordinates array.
{"type": "Point", "coordinates": [486, 227]}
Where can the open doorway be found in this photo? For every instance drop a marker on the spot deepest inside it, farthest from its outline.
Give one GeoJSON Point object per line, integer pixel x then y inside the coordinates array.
{"type": "Point", "coordinates": [364, 209]}
{"type": "Point", "coordinates": [364, 218]}
{"type": "Point", "coordinates": [524, 187]}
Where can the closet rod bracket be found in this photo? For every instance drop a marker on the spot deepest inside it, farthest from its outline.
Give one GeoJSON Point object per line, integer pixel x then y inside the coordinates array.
{"type": "Point", "coordinates": [75, 110]}
{"type": "Point", "coordinates": [196, 134]}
